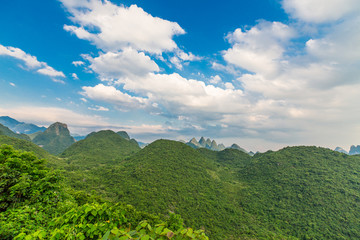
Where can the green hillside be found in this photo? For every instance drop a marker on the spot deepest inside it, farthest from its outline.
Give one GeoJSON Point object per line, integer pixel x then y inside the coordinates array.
{"type": "Point", "coordinates": [99, 148]}
{"type": "Point", "coordinates": [169, 176]}
{"type": "Point", "coordinates": [55, 139]}
{"type": "Point", "coordinates": [306, 192]}
{"type": "Point", "coordinates": [34, 204]}
{"type": "Point", "coordinates": [24, 145]}
{"type": "Point", "coordinates": [5, 131]}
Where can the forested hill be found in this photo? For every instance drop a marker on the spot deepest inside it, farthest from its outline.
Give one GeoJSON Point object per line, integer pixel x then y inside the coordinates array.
{"type": "Point", "coordinates": [103, 147]}
{"type": "Point", "coordinates": [5, 131]}
{"type": "Point", "coordinates": [293, 193]}
{"type": "Point", "coordinates": [306, 192]}
{"type": "Point", "coordinates": [34, 204]}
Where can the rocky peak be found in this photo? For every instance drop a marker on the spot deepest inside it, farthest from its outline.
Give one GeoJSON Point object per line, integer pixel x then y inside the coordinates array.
{"type": "Point", "coordinates": [58, 128]}
{"type": "Point", "coordinates": [124, 134]}
{"type": "Point", "coordinates": [193, 141]}
{"type": "Point", "coordinates": [214, 145]}
{"type": "Point", "coordinates": [339, 149]}
{"type": "Point", "coordinates": [354, 150]}
{"type": "Point", "coordinates": [202, 141]}
{"type": "Point", "coordinates": [208, 142]}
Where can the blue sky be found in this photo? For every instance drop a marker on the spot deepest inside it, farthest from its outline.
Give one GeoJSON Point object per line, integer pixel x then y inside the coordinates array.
{"type": "Point", "coordinates": [263, 74]}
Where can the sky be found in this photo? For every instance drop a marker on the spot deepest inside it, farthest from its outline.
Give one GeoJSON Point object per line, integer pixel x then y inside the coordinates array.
{"type": "Point", "coordinates": [264, 74]}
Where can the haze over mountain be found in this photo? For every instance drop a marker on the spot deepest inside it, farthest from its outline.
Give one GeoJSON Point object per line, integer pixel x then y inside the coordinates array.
{"type": "Point", "coordinates": [7, 132]}
{"type": "Point", "coordinates": [20, 127]}
{"type": "Point", "coordinates": [353, 150]}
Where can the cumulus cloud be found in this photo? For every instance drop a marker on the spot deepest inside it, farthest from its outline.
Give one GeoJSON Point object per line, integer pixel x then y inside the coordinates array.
{"type": "Point", "coordinates": [49, 71]}
{"type": "Point", "coordinates": [30, 61]}
{"type": "Point", "coordinates": [259, 49]}
{"type": "Point", "coordinates": [78, 63]}
{"type": "Point", "coordinates": [215, 79]}
{"type": "Point", "coordinates": [111, 95]}
{"type": "Point", "coordinates": [74, 76]}
{"type": "Point", "coordinates": [320, 11]}
{"type": "Point", "coordinates": [299, 93]}
{"type": "Point", "coordinates": [292, 81]}
{"type": "Point", "coordinates": [126, 63]}
{"type": "Point", "coordinates": [112, 28]}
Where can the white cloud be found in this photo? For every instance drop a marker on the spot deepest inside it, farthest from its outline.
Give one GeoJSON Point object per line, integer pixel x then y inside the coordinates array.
{"type": "Point", "coordinates": [74, 76]}
{"type": "Point", "coordinates": [229, 85]}
{"type": "Point", "coordinates": [228, 68]}
{"type": "Point", "coordinates": [215, 79]}
{"type": "Point", "coordinates": [49, 71]}
{"type": "Point", "coordinates": [111, 27]}
{"type": "Point", "coordinates": [78, 63]}
{"type": "Point", "coordinates": [320, 11]}
{"type": "Point", "coordinates": [110, 94]}
{"type": "Point", "coordinates": [126, 63]}
{"type": "Point", "coordinates": [259, 49]}
{"type": "Point", "coordinates": [83, 99]}
{"type": "Point", "coordinates": [182, 57]}
{"type": "Point", "coordinates": [177, 62]}
{"type": "Point", "coordinates": [30, 61]}
{"type": "Point", "coordinates": [12, 84]}
{"type": "Point", "coordinates": [99, 108]}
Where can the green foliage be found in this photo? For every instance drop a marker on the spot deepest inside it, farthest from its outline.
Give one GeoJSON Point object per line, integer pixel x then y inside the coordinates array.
{"type": "Point", "coordinates": [24, 178]}
{"type": "Point", "coordinates": [24, 145]}
{"type": "Point", "coordinates": [34, 205]}
{"type": "Point", "coordinates": [305, 192]}
{"type": "Point", "coordinates": [168, 176]}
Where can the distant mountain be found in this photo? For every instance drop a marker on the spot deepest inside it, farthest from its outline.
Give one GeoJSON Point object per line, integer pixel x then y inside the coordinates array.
{"type": "Point", "coordinates": [354, 150]}
{"type": "Point", "coordinates": [208, 143]}
{"type": "Point", "coordinates": [235, 146]}
{"type": "Point", "coordinates": [20, 127]}
{"type": "Point", "coordinates": [339, 149]}
{"type": "Point", "coordinates": [78, 137]}
{"type": "Point", "coordinates": [124, 134]}
{"type": "Point", "coordinates": [7, 132]}
{"type": "Point", "coordinates": [55, 139]}
{"type": "Point", "coordinates": [212, 145]}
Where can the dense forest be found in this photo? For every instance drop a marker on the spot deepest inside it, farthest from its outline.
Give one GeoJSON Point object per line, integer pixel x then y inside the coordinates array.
{"type": "Point", "coordinates": [106, 187]}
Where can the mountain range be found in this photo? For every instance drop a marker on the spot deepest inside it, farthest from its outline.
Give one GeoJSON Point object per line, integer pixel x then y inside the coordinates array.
{"type": "Point", "coordinates": [20, 127]}
{"type": "Point", "coordinates": [212, 145]}
{"type": "Point", "coordinates": [353, 150]}
{"type": "Point", "coordinates": [295, 193]}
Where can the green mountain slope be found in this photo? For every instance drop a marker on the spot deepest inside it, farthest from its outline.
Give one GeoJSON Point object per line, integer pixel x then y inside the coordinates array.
{"type": "Point", "coordinates": [7, 132]}
{"type": "Point", "coordinates": [55, 139]}
{"type": "Point", "coordinates": [24, 145]}
{"type": "Point", "coordinates": [306, 192]}
{"type": "Point", "coordinates": [103, 147]}
{"type": "Point", "coordinates": [171, 176]}
{"type": "Point", "coordinates": [35, 204]}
